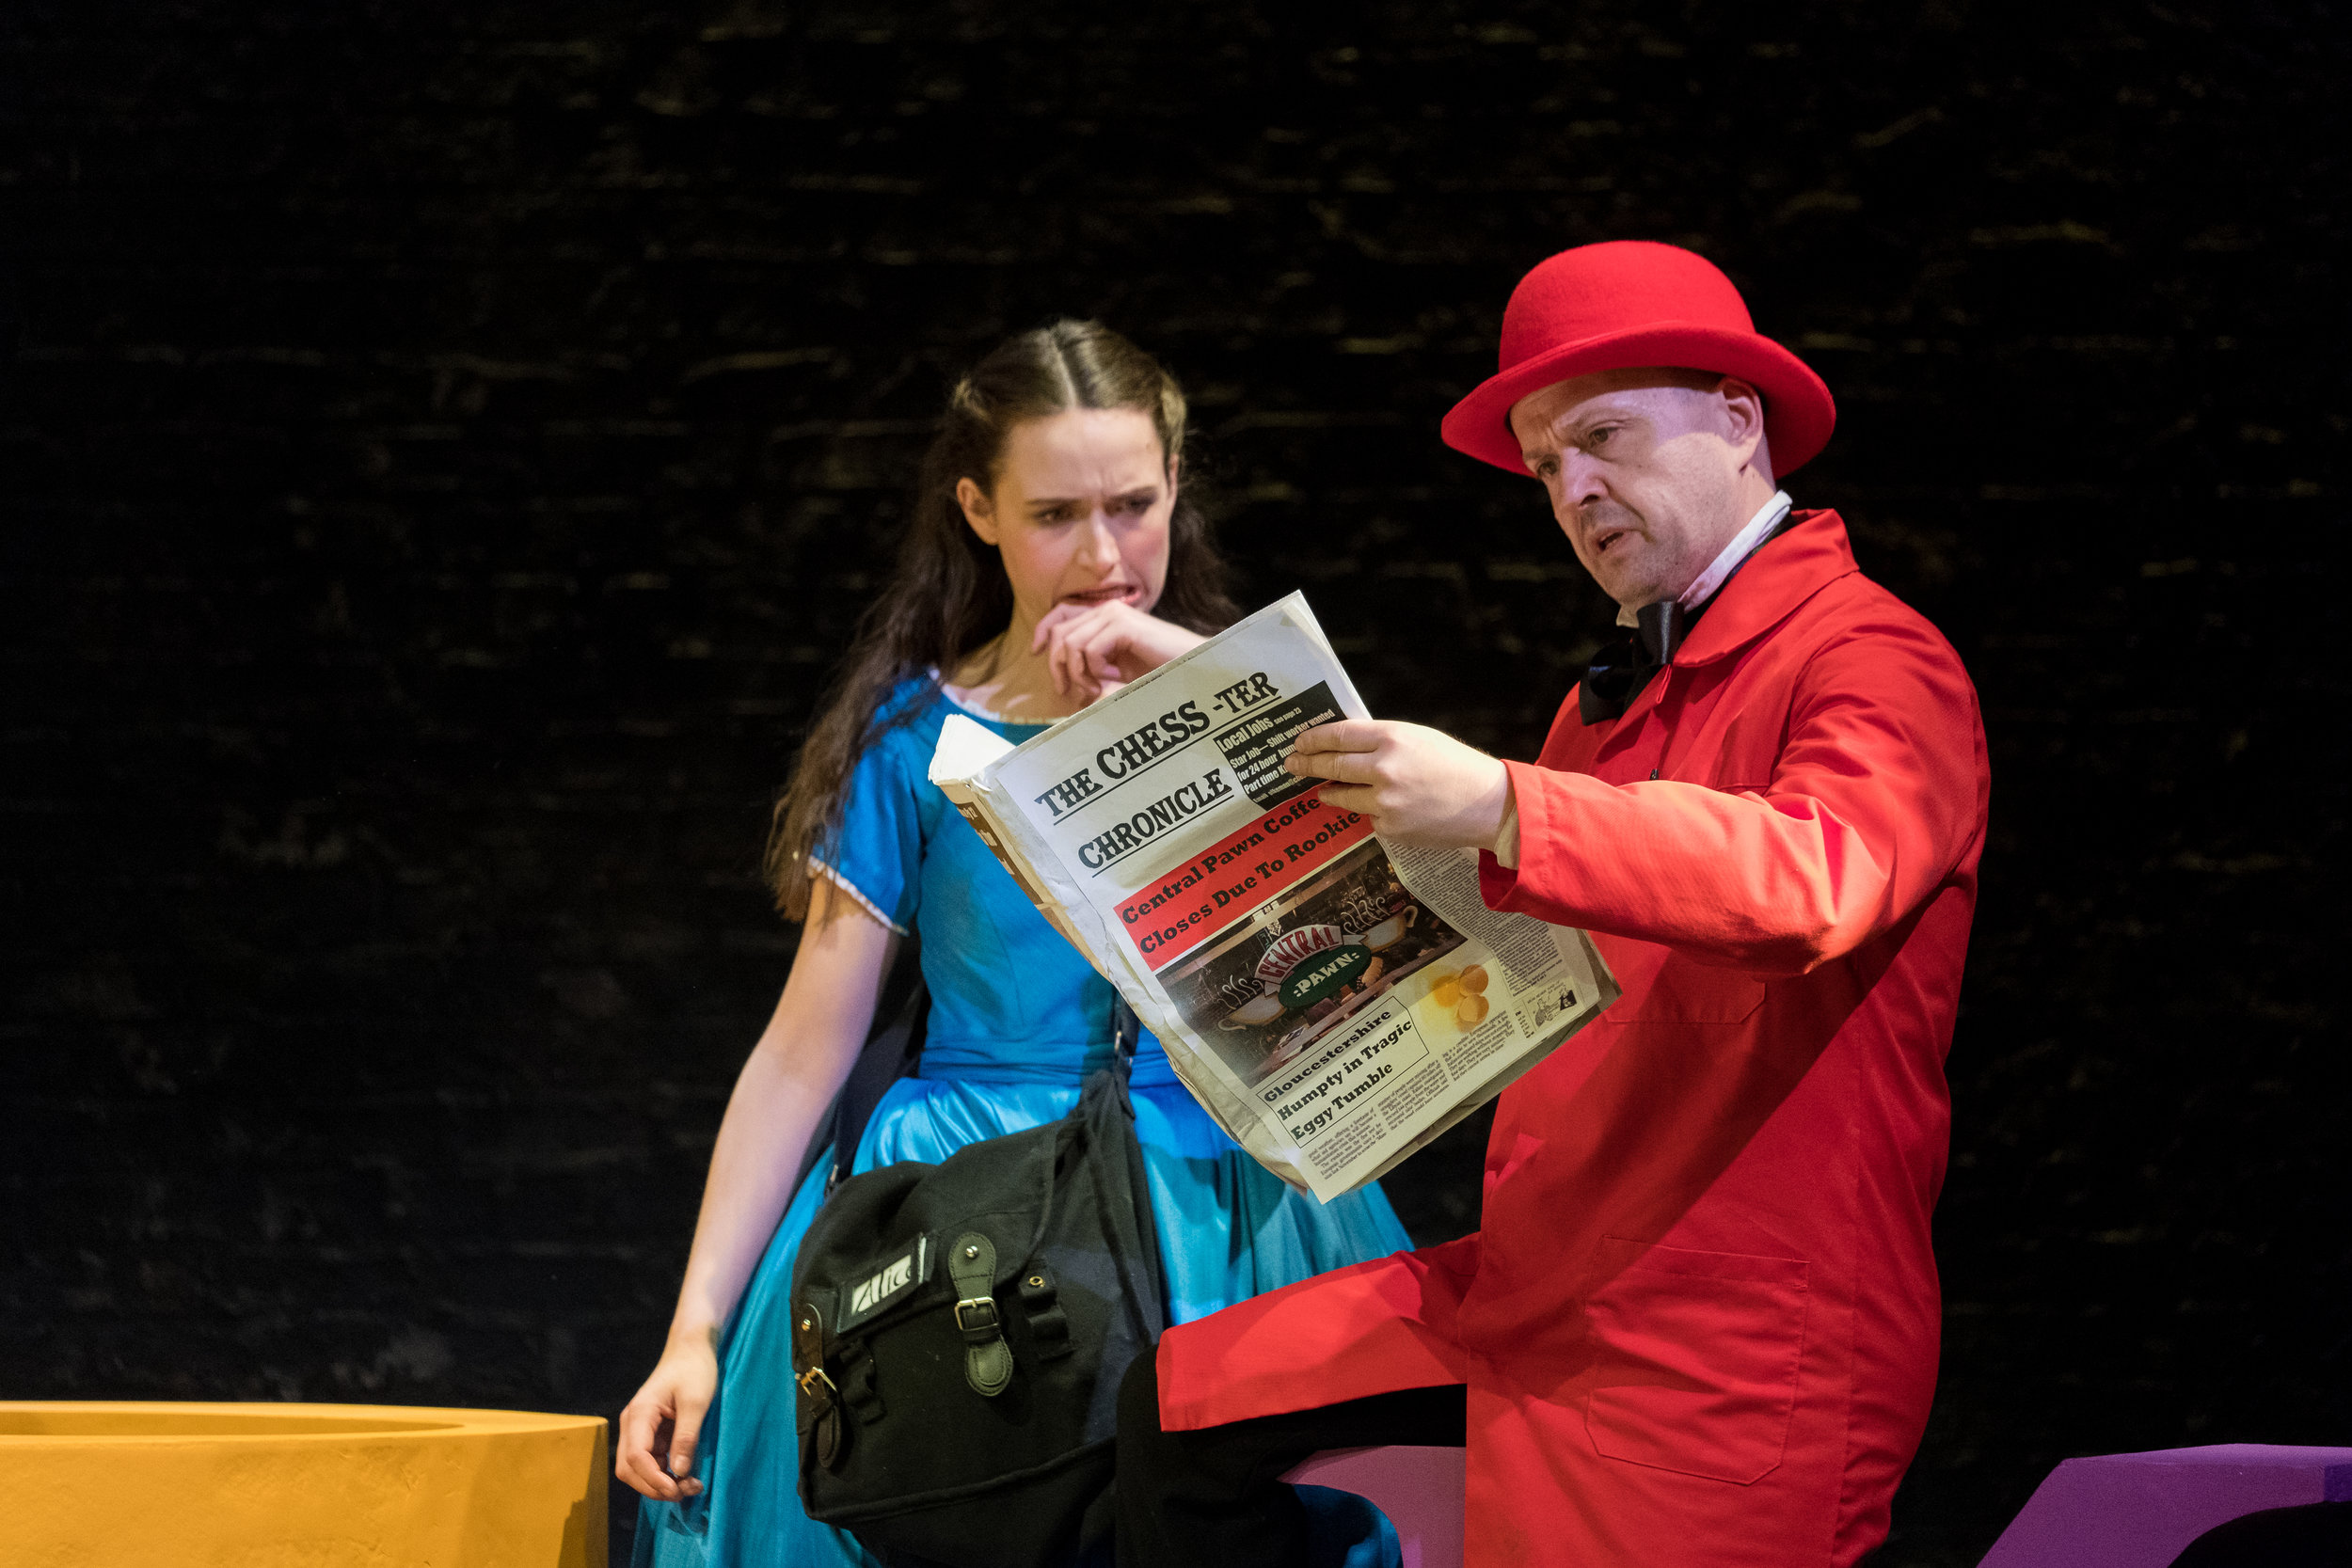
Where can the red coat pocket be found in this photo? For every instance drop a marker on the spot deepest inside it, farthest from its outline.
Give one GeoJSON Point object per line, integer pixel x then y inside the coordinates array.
{"type": "Point", "coordinates": [1696, 1358]}
{"type": "Point", "coordinates": [1661, 987]}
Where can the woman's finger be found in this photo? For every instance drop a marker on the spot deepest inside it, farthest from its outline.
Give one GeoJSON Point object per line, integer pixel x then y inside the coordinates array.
{"type": "Point", "coordinates": [1058, 662]}
{"type": "Point", "coordinates": [644, 1477]}
{"type": "Point", "coordinates": [634, 1434]}
{"type": "Point", "coordinates": [685, 1434]}
{"type": "Point", "coordinates": [1099, 646]}
{"type": "Point", "coordinates": [1048, 638]}
{"type": "Point", "coordinates": [1051, 621]}
{"type": "Point", "coordinates": [1063, 653]}
{"type": "Point", "coordinates": [638, 1467]}
{"type": "Point", "coordinates": [1056, 620]}
{"type": "Point", "coordinates": [1085, 652]}
{"type": "Point", "coordinates": [1069, 665]}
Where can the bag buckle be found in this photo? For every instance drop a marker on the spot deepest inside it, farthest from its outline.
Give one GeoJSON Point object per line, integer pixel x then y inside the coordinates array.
{"type": "Point", "coordinates": [987, 1359]}
{"type": "Point", "coordinates": [985, 1319]}
{"type": "Point", "coordinates": [821, 1422]}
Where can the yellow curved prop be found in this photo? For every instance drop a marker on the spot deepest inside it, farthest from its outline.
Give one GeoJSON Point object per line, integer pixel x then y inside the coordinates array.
{"type": "Point", "coordinates": [139, 1485]}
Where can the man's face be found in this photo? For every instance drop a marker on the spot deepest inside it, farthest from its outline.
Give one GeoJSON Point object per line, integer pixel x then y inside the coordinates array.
{"type": "Point", "coordinates": [1644, 470]}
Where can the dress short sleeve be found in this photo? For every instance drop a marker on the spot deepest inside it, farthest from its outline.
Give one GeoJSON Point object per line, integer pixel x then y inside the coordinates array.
{"type": "Point", "coordinates": [878, 855]}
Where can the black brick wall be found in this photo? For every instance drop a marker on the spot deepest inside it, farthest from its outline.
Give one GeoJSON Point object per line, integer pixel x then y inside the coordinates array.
{"type": "Point", "coordinates": [450, 442]}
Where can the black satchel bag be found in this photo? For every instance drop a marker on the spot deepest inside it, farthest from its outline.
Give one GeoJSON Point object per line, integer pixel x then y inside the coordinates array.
{"type": "Point", "coordinates": [959, 1333]}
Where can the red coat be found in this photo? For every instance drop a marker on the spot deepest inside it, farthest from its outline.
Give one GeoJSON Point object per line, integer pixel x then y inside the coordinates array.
{"type": "Point", "coordinates": [1699, 1324]}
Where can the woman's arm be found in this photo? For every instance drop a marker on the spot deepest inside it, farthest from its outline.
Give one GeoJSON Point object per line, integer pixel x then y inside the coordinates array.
{"type": "Point", "coordinates": [792, 1075]}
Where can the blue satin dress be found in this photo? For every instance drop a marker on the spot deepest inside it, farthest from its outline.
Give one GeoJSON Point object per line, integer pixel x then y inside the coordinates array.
{"type": "Point", "coordinates": [1018, 1021]}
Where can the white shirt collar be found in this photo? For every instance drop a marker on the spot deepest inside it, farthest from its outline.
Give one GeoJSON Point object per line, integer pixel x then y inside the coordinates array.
{"type": "Point", "coordinates": [1742, 544]}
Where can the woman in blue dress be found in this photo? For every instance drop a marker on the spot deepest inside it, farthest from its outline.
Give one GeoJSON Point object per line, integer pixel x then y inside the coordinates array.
{"type": "Point", "coordinates": [1051, 556]}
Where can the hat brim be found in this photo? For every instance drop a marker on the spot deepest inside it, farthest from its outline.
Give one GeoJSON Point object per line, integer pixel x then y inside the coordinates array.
{"type": "Point", "coordinates": [1799, 413]}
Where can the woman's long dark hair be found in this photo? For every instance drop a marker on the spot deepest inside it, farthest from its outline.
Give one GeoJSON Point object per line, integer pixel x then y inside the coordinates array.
{"type": "Point", "coordinates": [949, 594]}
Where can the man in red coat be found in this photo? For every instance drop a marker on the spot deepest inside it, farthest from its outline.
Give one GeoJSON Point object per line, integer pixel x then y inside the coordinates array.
{"type": "Point", "coordinates": [1698, 1325]}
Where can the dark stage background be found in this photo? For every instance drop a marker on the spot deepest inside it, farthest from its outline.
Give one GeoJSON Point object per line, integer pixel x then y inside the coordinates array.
{"type": "Point", "coordinates": [449, 444]}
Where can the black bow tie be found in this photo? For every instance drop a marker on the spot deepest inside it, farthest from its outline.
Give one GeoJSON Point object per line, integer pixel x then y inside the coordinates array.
{"type": "Point", "coordinates": [1627, 660]}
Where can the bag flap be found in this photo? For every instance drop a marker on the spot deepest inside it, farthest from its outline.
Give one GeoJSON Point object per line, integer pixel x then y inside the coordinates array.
{"type": "Point", "coordinates": [873, 1247]}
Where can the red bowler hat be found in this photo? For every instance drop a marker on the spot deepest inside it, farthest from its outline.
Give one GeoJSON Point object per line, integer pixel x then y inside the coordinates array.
{"type": "Point", "coordinates": [1628, 304]}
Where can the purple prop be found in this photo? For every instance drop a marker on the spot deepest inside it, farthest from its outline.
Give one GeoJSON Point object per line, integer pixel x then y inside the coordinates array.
{"type": "Point", "coordinates": [1419, 1489]}
{"type": "Point", "coordinates": [2142, 1509]}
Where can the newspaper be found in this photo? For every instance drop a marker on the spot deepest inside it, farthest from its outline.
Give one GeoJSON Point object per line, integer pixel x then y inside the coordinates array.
{"type": "Point", "coordinates": [1333, 1000]}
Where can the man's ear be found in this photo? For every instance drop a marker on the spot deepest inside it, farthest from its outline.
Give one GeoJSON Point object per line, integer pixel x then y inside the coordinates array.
{"type": "Point", "coordinates": [1743, 414]}
{"type": "Point", "coordinates": [978, 511]}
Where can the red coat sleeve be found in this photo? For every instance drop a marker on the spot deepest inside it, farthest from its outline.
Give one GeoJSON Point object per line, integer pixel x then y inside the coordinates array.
{"type": "Point", "coordinates": [1369, 1328]}
{"type": "Point", "coordinates": [1878, 791]}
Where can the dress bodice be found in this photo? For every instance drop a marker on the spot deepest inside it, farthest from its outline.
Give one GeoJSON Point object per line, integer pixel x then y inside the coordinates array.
{"type": "Point", "coordinates": [1011, 1000]}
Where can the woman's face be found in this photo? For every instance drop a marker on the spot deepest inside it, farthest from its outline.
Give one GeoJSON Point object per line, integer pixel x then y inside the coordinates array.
{"type": "Point", "coordinates": [1080, 511]}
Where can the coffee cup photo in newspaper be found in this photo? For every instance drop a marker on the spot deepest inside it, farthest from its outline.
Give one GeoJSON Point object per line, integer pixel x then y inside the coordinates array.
{"type": "Point", "coordinates": [1259, 995]}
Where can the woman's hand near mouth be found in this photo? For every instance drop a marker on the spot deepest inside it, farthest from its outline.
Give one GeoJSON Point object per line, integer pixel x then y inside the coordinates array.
{"type": "Point", "coordinates": [1095, 646]}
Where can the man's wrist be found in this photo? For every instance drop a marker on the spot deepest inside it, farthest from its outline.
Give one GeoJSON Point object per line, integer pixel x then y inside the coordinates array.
{"type": "Point", "coordinates": [1504, 846]}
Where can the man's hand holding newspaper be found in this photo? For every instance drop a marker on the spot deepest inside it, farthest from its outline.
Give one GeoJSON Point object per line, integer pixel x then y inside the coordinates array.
{"type": "Point", "coordinates": [1418, 785]}
{"type": "Point", "coordinates": [1334, 998]}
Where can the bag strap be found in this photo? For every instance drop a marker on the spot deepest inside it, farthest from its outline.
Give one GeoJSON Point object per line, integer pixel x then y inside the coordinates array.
{"type": "Point", "coordinates": [1126, 1030]}
{"type": "Point", "coordinates": [893, 1049]}
{"type": "Point", "coordinates": [1116, 1158]}
{"type": "Point", "coordinates": [1084, 1121]}
{"type": "Point", "coordinates": [987, 1359]}
{"type": "Point", "coordinates": [1133, 1234]}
